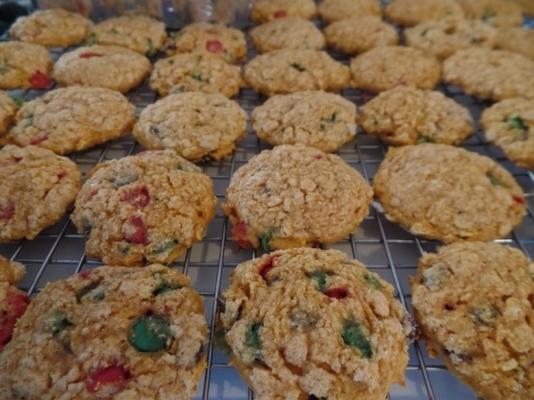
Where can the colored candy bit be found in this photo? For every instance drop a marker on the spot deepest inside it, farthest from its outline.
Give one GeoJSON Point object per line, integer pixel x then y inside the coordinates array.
{"type": "Point", "coordinates": [320, 279]}
{"type": "Point", "coordinates": [518, 199]}
{"type": "Point", "coordinates": [17, 303]}
{"type": "Point", "coordinates": [150, 333]}
{"type": "Point", "coordinates": [373, 282]}
{"type": "Point", "coordinates": [165, 286]}
{"type": "Point", "coordinates": [280, 14]}
{"type": "Point", "coordinates": [239, 234]}
{"type": "Point", "coordinates": [7, 210]}
{"type": "Point", "coordinates": [40, 138]}
{"type": "Point", "coordinates": [58, 324]}
{"type": "Point", "coordinates": [151, 50]}
{"type": "Point", "coordinates": [253, 338]}
{"type": "Point", "coordinates": [165, 246]}
{"type": "Point", "coordinates": [266, 267]}
{"type": "Point", "coordinates": [135, 231]}
{"type": "Point", "coordinates": [484, 315]}
{"type": "Point", "coordinates": [425, 139]}
{"type": "Point", "coordinates": [40, 81]}
{"type": "Point", "coordinates": [90, 54]}
{"type": "Point", "coordinates": [62, 175]}
{"type": "Point", "coordinates": [6, 331]}
{"type": "Point", "coordinates": [487, 15]}
{"type": "Point", "coordinates": [85, 274]}
{"type": "Point", "coordinates": [113, 379]}
{"type": "Point", "coordinates": [4, 68]}
{"type": "Point", "coordinates": [92, 292]}
{"type": "Point", "coordinates": [17, 100]}
{"type": "Point", "coordinates": [516, 122]}
{"type": "Point", "coordinates": [214, 46]}
{"type": "Point", "coordinates": [352, 334]}
{"type": "Point", "coordinates": [337, 293]}
{"type": "Point", "coordinates": [137, 197]}
{"type": "Point", "coordinates": [265, 239]}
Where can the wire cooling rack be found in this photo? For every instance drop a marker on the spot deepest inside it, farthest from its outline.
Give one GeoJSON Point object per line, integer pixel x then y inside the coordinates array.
{"type": "Point", "coordinates": [58, 251]}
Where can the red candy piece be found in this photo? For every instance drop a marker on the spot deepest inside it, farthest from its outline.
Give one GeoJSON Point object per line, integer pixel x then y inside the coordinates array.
{"type": "Point", "coordinates": [113, 378]}
{"type": "Point", "coordinates": [518, 199]}
{"type": "Point", "coordinates": [266, 267]}
{"type": "Point", "coordinates": [85, 274]}
{"type": "Point", "coordinates": [7, 211]}
{"type": "Point", "coordinates": [214, 46]}
{"type": "Point", "coordinates": [280, 14]}
{"type": "Point", "coordinates": [40, 138]}
{"type": "Point", "coordinates": [135, 231]}
{"type": "Point", "coordinates": [239, 234]}
{"type": "Point", "coordinates": [61, 175]}
{"type": "Point", "coordinates": [337, 293]}
{"type": "Point", "coordinates": [17, 302]}
{"type": "Point", "coordinates": [137, 197]}
{"type": "Point", "coordinates": [6, 331]}
{"type": "Point", "coordinates": [16, 159]}
{"type": "Point", "coordinates": [90, 54]}
{"type": "Point", "coordinates": [40, 81]}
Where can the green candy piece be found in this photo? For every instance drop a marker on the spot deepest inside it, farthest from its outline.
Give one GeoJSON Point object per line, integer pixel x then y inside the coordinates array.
{"type": "Point", "coordinates": [165, 286]}
{"type": "Point", "coordinates": [353, 336]}
{"type": "Point", "coordinates": [265, 238]}
{"type": "Point", "coordinates": [165, 246]}
{"type": "Point", "coordinates": [373, 282]}
{"type": "Point", "coordinates": [197, 77]}
{"type": "Point", "coordinates": [331, 118]}
{"type": "Point", "coordinates": [516, 122]}
{"type": "Point", "coordinates": [425, 139]}
{"type": "Point", "coordinates": [17, 100]}
{"type": "Point", "coordinates": [58, 324]}
{"type": "Point", "coordinates": [92, 292]}
{"type": "Point", "coordinates": [487, 15]}
{"type": "Point", "coordinates": [150, 333]}
{"type": "Point", "coordinates": [91, 40]}
{"type": "Point", "coordinates": [151, 49]}
{"type": "Point", "coordinates": [253, 338]}
{"type": "Point", "coordinates": [320, 279]}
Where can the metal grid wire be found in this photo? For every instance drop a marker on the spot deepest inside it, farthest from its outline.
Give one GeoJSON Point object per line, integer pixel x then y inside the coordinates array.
{"type": "Point", "coordinates": [58, 251]}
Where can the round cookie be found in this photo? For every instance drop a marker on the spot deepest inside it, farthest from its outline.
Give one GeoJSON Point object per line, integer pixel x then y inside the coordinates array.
{"type": "Point", "coordinates": [267, 10]}
{"type": "Point", "coordinates": [73, 119]}
{"type": "Point", "coordinates": [406, 115]}
{"type": "Point", "coordinates": [413, 12]}
{"type": "Point", "coordinates": [295, 196]}
{"type": "Point", "coordinates": [358, 34]}
{"type": "Point", "coordinates": [314, 324]}
{"type": "Point", "coordinates": [516, 39]}
{"type": "Point", "coordinates": [442, 38]}
{"type": "Point", "coordinates": [111, 67]}
{"type": "Point", "coordinates": [8, 109]}
{"type": "Point", "coordinates": [491, 74]}
{"type": "Point", "coordinates": [473, 302]}
{"type": "Point", "coordinates": [24, 65]}
{"type": "Point", "coordinates": [383, 68]}
{"type": "Point", "coordinates": [510, 125]}
{"type": "Point", "coordinates": [51, 28]}
{"type": "Point", "coordinates": [447, 193]}
{"type": "Point", "coordinates": [111, 332]}
{"type": "Point", "coordinates": [194, 124]}
{"type": "Point", "coordinates": [36, 187]}
{"type": "Point", "coordinates": [294, 70]}
{"type": "Point", "coordinates": [139, 33]}
{"type": "Point", "coordinates": [13, 302]}
{"type": "Point", "coordinates": [318, 119]}
{"type": "Point", "coordinates": [336, 10]}
{"type": "Point", "coordinates": [289, 32]}
{"type": "Point", "coordinates": [217, 39]}
{"type": "Point", "coordinates": [196, 72]}
{"type": "Point", "coordinates": [150, 207]}
{"type": "Point", "coordinates": [495, 12]}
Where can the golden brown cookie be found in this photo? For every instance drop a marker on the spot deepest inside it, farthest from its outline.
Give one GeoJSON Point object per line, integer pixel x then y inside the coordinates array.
{"type": "Point", "coordinates": [337, 10]}
{"type": "Point", "coordinates": [267, 10]}
{"type": "Point", "coordinates": [517, 39]}
{"type": "Point", "coordinates": [24, 65]}
{"type": "Point", "coordinates": [413, 12]}
{"type": "Point", "coordinates": [473, 302]}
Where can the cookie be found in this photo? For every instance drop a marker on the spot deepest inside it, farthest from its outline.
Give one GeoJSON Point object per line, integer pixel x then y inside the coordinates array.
{"type": "Point", "coordinates": [194, 124]}
{"type": "Point", "coordinates": [8, 109]}
{"type": "Point", "coordinates": [146, 208]}
{"type": "Point", "coordinates": [406, 115]}
{"type": "Point", "coordinates": [73, 119]}
{"type": "Point", "coordinates": [295, 196]}
{"type": "Point", "coordinates": [495, 12]}
{"type": "Point", "coordinates": [336, 10]}
{"type": "Point", "coordinates": [24, 66]}
{"type": "Point", "coordinates": [289, 32]}
{"type": "Point", "coordinates": [13, 302]}
{"type": "Point", "coordinates": [294, 70]}
{"type": "Point", "coordinates": [473, 302]}
{"type": "Point", "coordinates": [36, 187]}
{"type": "Point", "coordinates": [516, 39]}
{"type": "Point", "coordinates": [112, 332]}
{"type": "Point", "coordinates": [51, 28]}
{"type": "Point", "coordinates": [196, 72]}
{"type": "Point", "coordinates": [229, 43]}
{"type": "Point", "coordinates": [447, 193]}
{"type": "Point", "coordinates": [384, 68]}
{"type": "Point", "coordinates": [318, 119]}
{"type": "Point", "coordinates": [413, 12]}
{"type": "Point", "coordinates": [442, 38]}
{"type": "Point", "coordinates": [139, 33]}
{"type": "Point", "coordinates": [510, 125]}
{"type": "Point", "coordinates": [314, 324]}
{"type": "Point", "coordinates": [267, 10]}
{"type": "Point", "coordinates": [110, 67]}
{"type": "Point", "coordinates": [358, 34]}
{"type": "Point", "coordinates": [491, 74]}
